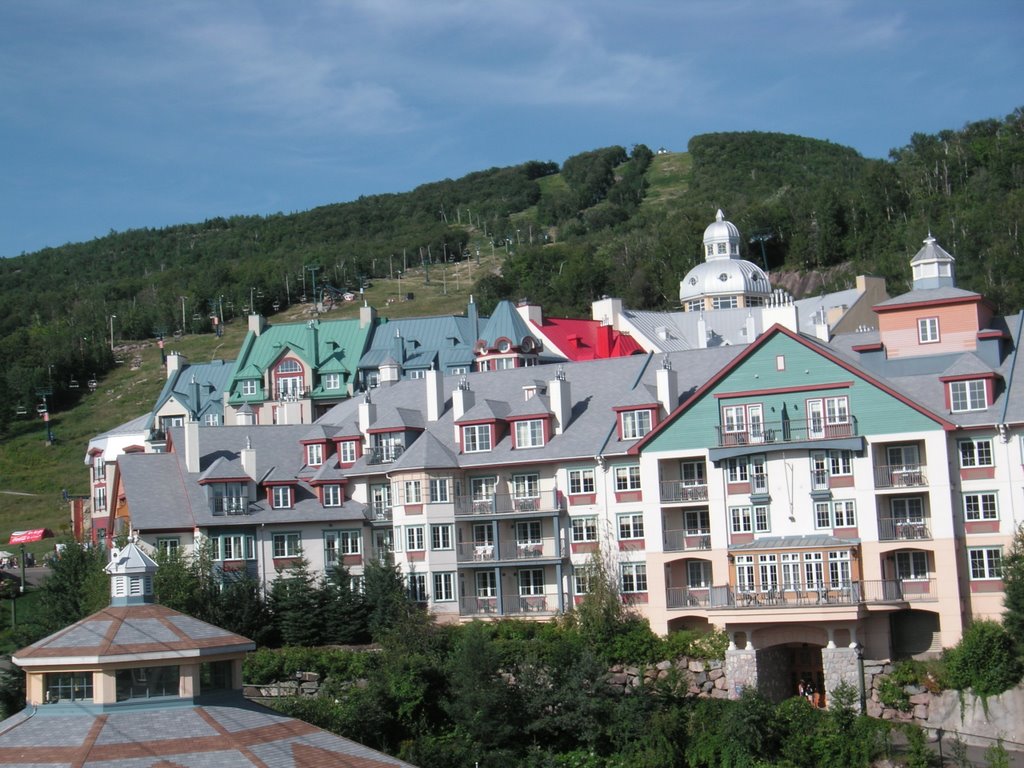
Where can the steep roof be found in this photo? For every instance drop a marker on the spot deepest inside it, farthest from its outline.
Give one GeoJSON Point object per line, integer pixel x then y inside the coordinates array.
{"type": "Point", "coordinates": [198, 388]}
{"type": "Point", "coordinates": [578, 339]}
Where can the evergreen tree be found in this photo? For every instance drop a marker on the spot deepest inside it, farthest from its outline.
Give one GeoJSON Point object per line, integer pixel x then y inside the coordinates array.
{"type": "Point", "coordinates": [295, 603]}
{"type": "Point", "coordinates": [345, 610]}
{"type": "Point", "coordinates": [1013, 595]}
{"type": "Point", "coordinates": [76, 587]}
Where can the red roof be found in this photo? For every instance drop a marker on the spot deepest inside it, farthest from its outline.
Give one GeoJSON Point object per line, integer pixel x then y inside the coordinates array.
{"type": "Point", "coordinates": [588, 339]}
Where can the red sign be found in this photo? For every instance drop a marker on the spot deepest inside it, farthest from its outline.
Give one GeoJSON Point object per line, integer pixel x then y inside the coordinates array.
{"type": "Point", "coordinates": [36, 534]}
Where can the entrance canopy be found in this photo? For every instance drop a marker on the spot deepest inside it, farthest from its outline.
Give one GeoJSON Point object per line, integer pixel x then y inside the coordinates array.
{"type": "Point", "coordinates": [25, 537]}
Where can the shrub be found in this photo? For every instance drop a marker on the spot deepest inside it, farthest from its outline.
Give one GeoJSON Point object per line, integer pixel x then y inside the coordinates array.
{"type": "Point", "coordinates": [273, 665]}
{"type": "Point", "coordinates": [892, 695]}
{"type": "Point", "coordinates": [984, 660]}
{"type": "Point", "coordinates": [695, 644]}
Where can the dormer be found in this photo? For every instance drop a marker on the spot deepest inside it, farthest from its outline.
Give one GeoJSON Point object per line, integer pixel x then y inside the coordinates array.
{"type": "Point", "coordinates": [482, 426]}
{"type": "Point", "coordinates": [506, 341]}
{"type": "Point", "coordinates": [349, 449]}
{"type": "Point", "coordinates": [636, 421]}
{"type": "Point", "coordinates": [288, 378]}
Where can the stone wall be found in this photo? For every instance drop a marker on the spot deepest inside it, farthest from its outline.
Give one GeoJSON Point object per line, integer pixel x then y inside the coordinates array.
{"type": "Point", "coordinates": [840, 665]}
{"type": "Point", "coordinates": [693, 677]}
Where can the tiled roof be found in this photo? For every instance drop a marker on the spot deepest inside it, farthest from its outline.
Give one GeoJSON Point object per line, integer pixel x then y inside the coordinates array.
{"type": "Point", "coordinates": [582, 339]}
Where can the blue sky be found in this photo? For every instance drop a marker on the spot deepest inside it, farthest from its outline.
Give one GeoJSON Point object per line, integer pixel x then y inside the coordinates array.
{"type": "Point", "coordinates": [118, 115]}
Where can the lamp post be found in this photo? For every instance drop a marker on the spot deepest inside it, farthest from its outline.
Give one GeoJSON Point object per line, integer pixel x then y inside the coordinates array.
{"type": "Point", "coordinates": [112, 318]}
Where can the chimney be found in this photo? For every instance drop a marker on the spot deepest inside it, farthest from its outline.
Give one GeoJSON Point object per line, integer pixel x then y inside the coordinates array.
{"type": "Point", "coordinates": [561, 402]}
{"type": "Point", "coordinates": [781, 310]}
{"type": "Point", "coordinates": [462, 401]}
{"type": "Point", "coordinates": [751, 327]}
{"type": "Point", "coordinates": [367, 414]}
{"type": "Point", "coordinates": [435, 394]}
{"type": "Point", "coordinates": [191, 445]}
{"type": "Point", "coordinates": [474, 319]}
{"type": "Point", "coordinates": [608, 311]}
{"type": "Point", "coordinates": [604, 341]}
{"type": "Point", "coordinates": [290, 412]}
{"type": "Point", "coordinates": [194, 392]}
{"type": "Point", "coordinates": [367, 315]}
{"type": "Point", "coordinates": [314, 343]}
{"type": "Point", "coordinates": [531, 313]}
{"type": "Point", "coordinates": [702, 332]}
{"type": "Point", "coordinates": [257, 324]}
{"type": "Point", "coordinates": [668, 386]}
{"type": "Point", "coordinates": [249, 458]}
{"type": "Point", "coordinates": [175, 362]}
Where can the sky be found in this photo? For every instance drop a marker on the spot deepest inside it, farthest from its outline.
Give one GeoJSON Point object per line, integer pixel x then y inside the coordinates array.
{"type": "Point", "coordinates": [125, 114]}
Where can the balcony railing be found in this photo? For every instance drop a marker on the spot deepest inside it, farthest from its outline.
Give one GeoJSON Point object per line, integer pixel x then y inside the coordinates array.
{"type": "Point", "coordinates": [852, 593]}
{"type": "Point", "coordinates": [683, 490]}
{"type": "Point", "coordinates": [384, 454]}
{"type": "Point", "coordinates": [785, 432]}
{"type": "Point", "coordinates": [380, 511]}
{"type": "Point", "coordinates": [470, 552]}
{"type": "Point", "coordinates": [904, 529]}
{"type": "Point", "coordinates": [682, 541]}
{"type": "Point", "coordinates": [900, 476]}
{"type": "Point", "coordinates": [503, 503]}
{"type": "Point", "coordinates": [230, 505]}
{"type": "Point", "coordinates": [819, 479]}
{"type": "Point", "coordinates": [508, 605]}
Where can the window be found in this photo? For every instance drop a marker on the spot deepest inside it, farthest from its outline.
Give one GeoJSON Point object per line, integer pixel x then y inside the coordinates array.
{"type": "Point", "coordinates": [745, 573]}
{"type": "Point", "coordinates": [387, 446]}
{"type": "Point", "coordinates": [281, 496]}
{"type": "Point", "coordinates": [528, 532]}
{"type": "Point", "coordinates": [928, 330]}
{"type": "Point", "coordinates": [697, 522]}
{"type": "Point", "coordinates": [68, 686]}
{"type": "Point", "coordinates": [146, 682]}
{"type": "Point", "coordinates": [634, 577]}
{"type": "Point", "coordinates": [627, 478]}
{"type": "Point", "coordinates": [758, 475]}
{"type": "Point", "coordinates": [211, 419]}
{"type": "Point", "coordinates": [789, 563]}
{"type": "Point", "coordinates": [967, 396]}
{"type": "Point", "coordinates": [332, 381]}
{"type": "Point", "coordinates": [418, 587]}
{"type": "Point", "coordinates": [476, 438]}
{"type": "Point", "coordinates": [525, 486]}
{"type": "Point", "coordinates": [414, 538]}
{"type": "Point", "coordinates": [584, 529]}
{"type": "Point", "coordinates": [347, 451]}
{"type": "Point", "coordinates": [314, 454]}
{"type": "Point", "coordinates": [724, 302]}
{"type": "Point", "coordinates": [698, 574]}
{"type": "Point", "coordinates": [250, 387]}
{"type": "Point", "coordinates": [980, 506]}
{"type": "Point", "coordinates": [737, 470]}
{"type": "Point", "coordinates": [486, 584]}
{"type": "Point", "coordinates": [581, 582]}
{"type": "Point", "coordinates": [99, 500]}
{"type": "Point", "coordinates": [840, 513]}
{"type": "Point", "coordinates": [693, 472]}
{"type": "Point", "coordinates": [444, 587]}
{"type": "Point", "coordinates": [530, 433]}
{"type": "Point", "coordinates": [581, 481]}
{"type": "Point", "coordinates": [768, 567]}
{"type": "Point", "coordinates": [837, 410]}
{"type": "Point", "coordinates": [975, 453]}
{"type": "Point", "coordinates": [339, 543]}
{"type": "Point", "coordinates": [985, 562]}
{"type": "Point", "coordinates": [840, 462]}
{"type": "Point", "coordinates": [907, 509]}
{"type": "Point", "coordinates": [631, 526]}
{"type": "Point", "coordinates": [734, 418]}
{"type": "Point", "coordinates": [482, 488]}
{"type": "Point", "coordinates": [756, 519]}
{"type": "Point", "coordinates": [814, 571]}
{"type": "Point", "coordinates": [99, 470]}
{"type": "Point", "coordinates": [287, 545]}
{"type": "Point", "coordinates": [230, 498]}
{"type": "Point", "coordinates": [439, 490]}
{"type": "Point", "coordinates": [531, 582]}
{"type": "Point", "coordinates": [332, 495]}
{"type": "Point", "coordinates": [635, 424]}
{"type": "Point", "coordinates": [166, 422]}
{"type": "Point", "coordinates": [288, 379]}
{"type": "Point", "coordinates": [235, 547]}
{"type": "Point", "coordinates": [839, 568]}
{"type": "Point", "coordinates": [413, 492]}
{"type": "Point", "coordinates": [440, 537]}
{"type": "Point", "coordinates": [167, 545]}
{"type": "Point", "coordinates": [380, 499]}
{"type": "Point", "coordinates": [912, 566]}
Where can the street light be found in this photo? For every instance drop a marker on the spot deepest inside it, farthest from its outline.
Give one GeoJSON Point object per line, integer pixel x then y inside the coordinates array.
{"type": "Point", "coordinates": [112, 318]}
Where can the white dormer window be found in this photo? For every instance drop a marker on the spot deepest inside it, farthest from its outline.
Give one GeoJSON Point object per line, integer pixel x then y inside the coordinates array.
{"type": "Point", "coordinates": [249, 387]}
{"type": "Point", "coordinates": [635, 424]}
{"type": "Point", "coordinates": [281, 497]}
{"type": "Point", "coordinates": [347, 451]}
{"type": "Point", "coordinates": [314, 455]}
{"type": "Point", "coordinates": [332, 381]}
{"type": "Point", "coordinates": [967, 395]}
{"type": "Point", "coordinates": [530, 433]}
{"type": "Point", "coordinates": [211, 419]}
{"type": "Point", "coordinates": [928, 330]}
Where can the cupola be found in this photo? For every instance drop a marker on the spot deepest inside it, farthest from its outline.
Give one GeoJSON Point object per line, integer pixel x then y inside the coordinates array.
{"type": "Point", "coordinates": [131, 576]}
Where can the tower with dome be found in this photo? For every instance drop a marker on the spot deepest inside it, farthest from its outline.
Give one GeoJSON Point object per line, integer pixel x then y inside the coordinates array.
{"type": "Point", "coordinates": [724, 280]}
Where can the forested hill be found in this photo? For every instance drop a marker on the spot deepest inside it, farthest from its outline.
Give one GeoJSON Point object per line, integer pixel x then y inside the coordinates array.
{"type": "Point", "coordinates": [607, 221]}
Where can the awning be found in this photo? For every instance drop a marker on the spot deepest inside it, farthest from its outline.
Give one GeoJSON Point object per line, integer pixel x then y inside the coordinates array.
{"type": "Point", "coordinates": [25, 537]}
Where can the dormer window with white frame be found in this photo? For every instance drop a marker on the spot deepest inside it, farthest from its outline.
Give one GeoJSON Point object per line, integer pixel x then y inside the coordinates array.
{"type": "Point", "coordinates": [288, 379]}
{"type": "Point", "coordinates": [928, 330]}
{"type": "Point", "coordinates": [314, 454]}
{"type": "Point", "coordinates": [281, 497]}
{"type": "Point", "coordinates": [332, 381]}
{"type": "Point", "coordinates": [530, 433]}
{"type": "Point", "coordinates": [968, 395]}
{"type": "Point", "coordinates": [635, 424]}
{"type": "Point", "coordinates": [476, 438]}
{"type": "Point", "coordinates": [347, 452]}
{"type": "Point", "coordinates": [250, 387]}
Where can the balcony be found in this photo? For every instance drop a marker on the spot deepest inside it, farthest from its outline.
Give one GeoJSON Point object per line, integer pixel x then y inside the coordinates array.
{"type": "Point", "coordinates": [230, 505]}
{"type": "Point", "coordinates": [513, 551]}
{"type": "Point", "coordinates": [819, 480]}
{"type": "Point", "coordinates": [785, 432]}
{"type": "Point", "coordinates": [506, 504]}
{"type": "Point", "coordinates": [380, 511]}
{"type": "Point", "coordinates": [900, 476]}
{"type": "Point", "coordinates": [509, 605]}
{"type": "Point", "coordinates": [904, 529]}
{"type": "Point", "coordinates": [682, 491]}
{"type": "Point", "coordinates": [384, 454]}
{"type": "Point", "coordinates": [728, 597]}
{"type": "Point", "coordinates": [684, 541]}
